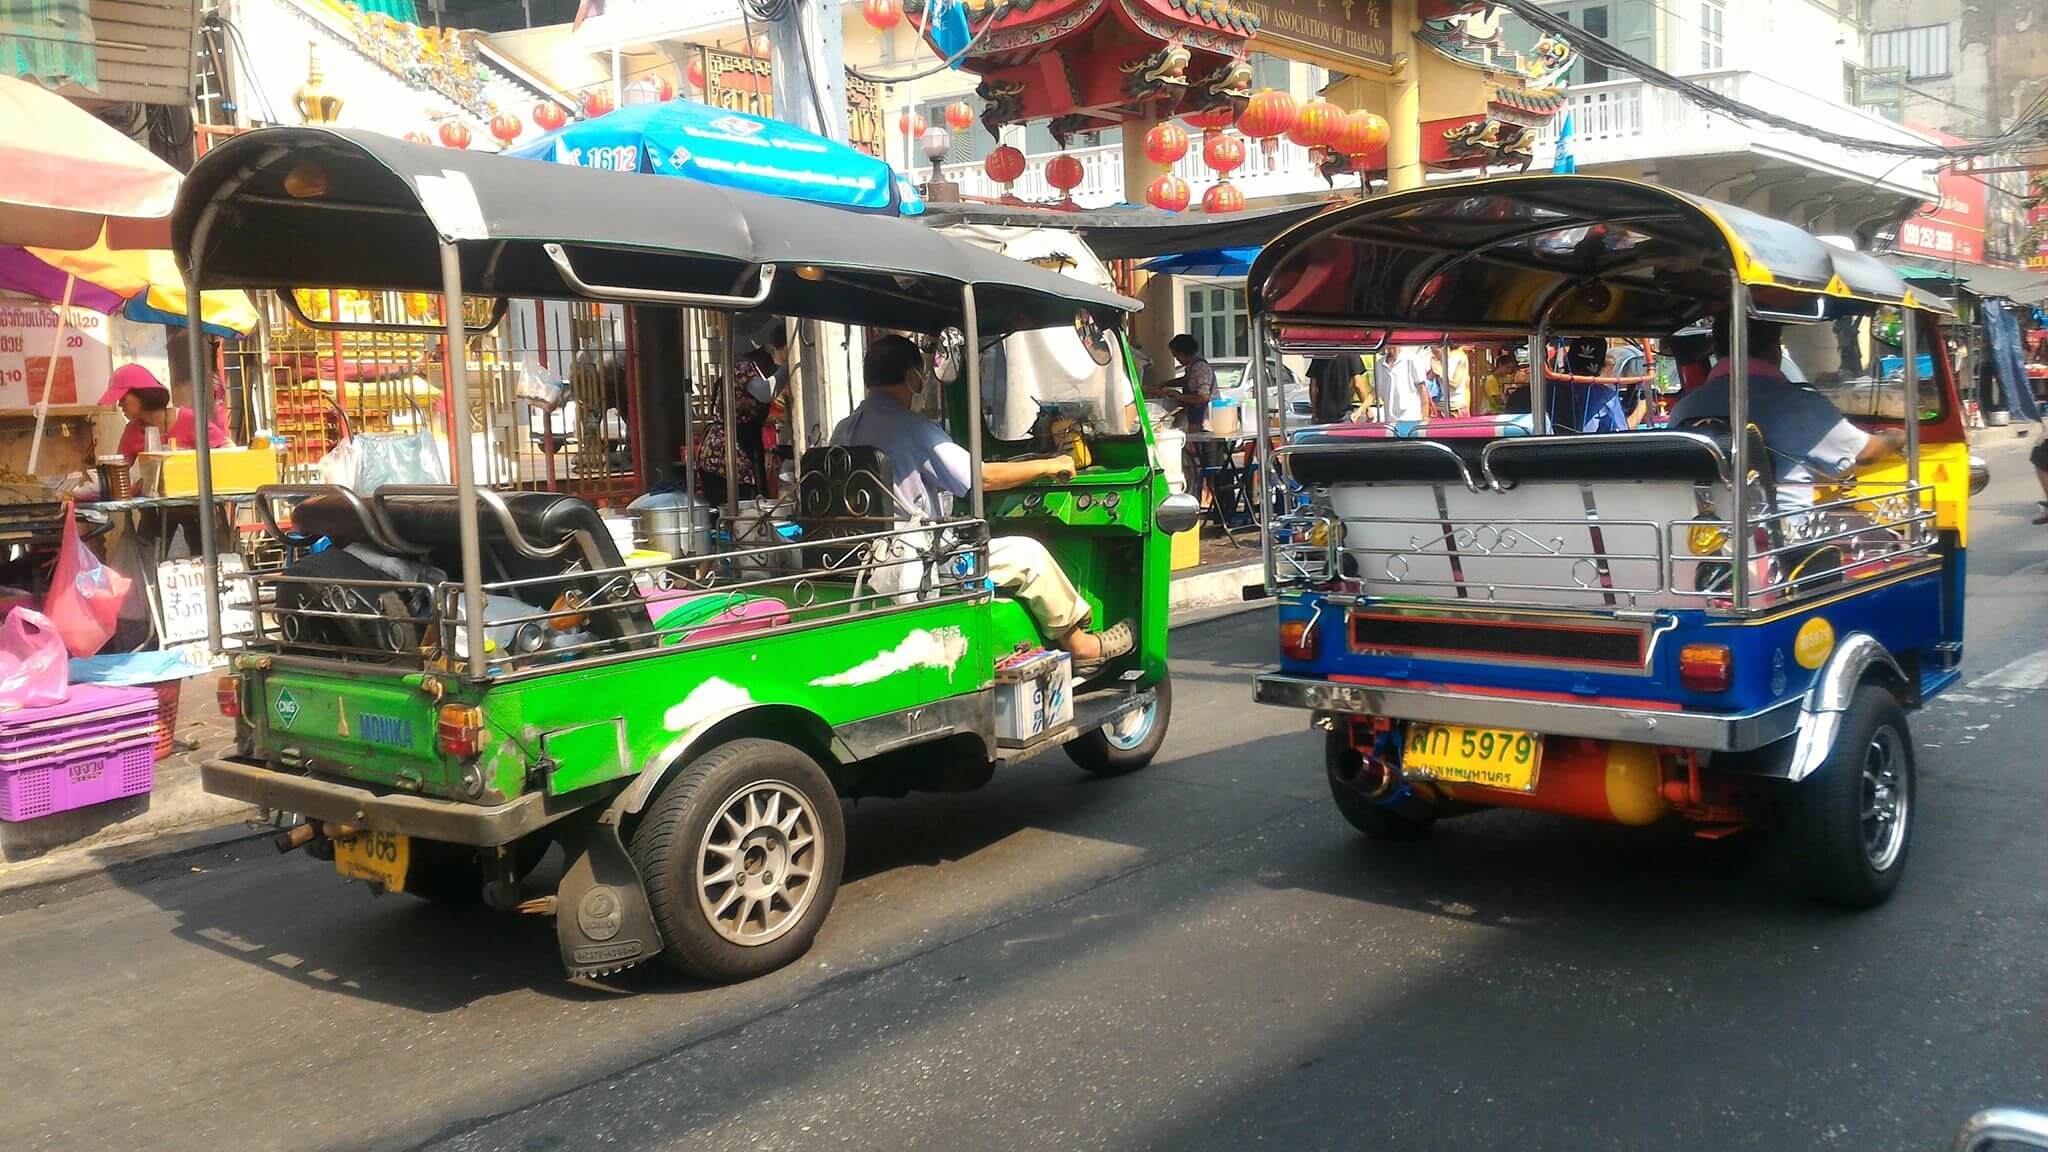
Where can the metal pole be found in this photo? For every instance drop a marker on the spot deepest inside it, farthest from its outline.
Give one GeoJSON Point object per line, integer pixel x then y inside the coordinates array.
{"type": "Point", "coordinates": [459, 454]}
{"type": "Point", "coordinates": [1738, 426]}
{"type": "Point", "coordinates": [732, 482]}
{"type": "Point", "coordinates": [1910, 343]}
{"type": "Point", "coordinates": [1262, 442]}
{"type": "Point", "coordinates": [970, 323]}
{"type": "Point", "coordinates": [690, 460]}
{"type": "Point", "coordinates": [1539, 383]}
{"type": "Point", "coordinates": [202, 433]}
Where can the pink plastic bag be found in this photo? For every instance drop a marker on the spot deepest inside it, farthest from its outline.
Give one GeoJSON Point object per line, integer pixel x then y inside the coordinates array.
{"type": "Point", "coordinates": [34, 667]}
{"type": "Point", "coordinates": [85, 595]}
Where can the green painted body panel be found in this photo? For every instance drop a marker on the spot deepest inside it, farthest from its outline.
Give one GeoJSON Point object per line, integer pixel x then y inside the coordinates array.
{"type": "Point", "coordinates": [581, 727]}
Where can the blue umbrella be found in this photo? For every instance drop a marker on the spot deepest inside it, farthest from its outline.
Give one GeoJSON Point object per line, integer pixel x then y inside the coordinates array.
{"type": "Point", "coordinates": [712, 145]}
{"type": "Point", "coordinates": [1208, 262]}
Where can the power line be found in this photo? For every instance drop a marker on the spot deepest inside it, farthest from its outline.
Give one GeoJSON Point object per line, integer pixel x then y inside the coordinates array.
{"type": "Point", "coordinates": [2027, 130]}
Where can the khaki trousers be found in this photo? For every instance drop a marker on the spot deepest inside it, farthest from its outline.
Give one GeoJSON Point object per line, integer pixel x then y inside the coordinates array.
{"type": "Point", "coordinates": [1023, 568]}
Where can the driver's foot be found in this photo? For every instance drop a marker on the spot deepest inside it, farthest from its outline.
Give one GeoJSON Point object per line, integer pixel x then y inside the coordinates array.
{"type": "Point", "coordinates": [1110, 644]}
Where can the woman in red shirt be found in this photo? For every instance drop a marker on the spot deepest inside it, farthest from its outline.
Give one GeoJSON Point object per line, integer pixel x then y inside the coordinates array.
{"type": "Point", "coordinates": [147, 404]}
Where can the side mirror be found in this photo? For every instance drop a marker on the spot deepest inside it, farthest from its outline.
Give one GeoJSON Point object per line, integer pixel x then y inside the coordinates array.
{"type": "Point", "coordinates": [1177, 513]}
{"type": "Point", "coordinates": [2010, 1127]}
{"type": "Point", "coordinates": [1980, 475]}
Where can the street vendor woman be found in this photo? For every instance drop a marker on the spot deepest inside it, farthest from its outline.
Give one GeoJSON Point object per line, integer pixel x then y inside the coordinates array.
{"type": "Point", "coordinates": [147, 404]}
{"type": "Point", "coordinates": [930, 471]}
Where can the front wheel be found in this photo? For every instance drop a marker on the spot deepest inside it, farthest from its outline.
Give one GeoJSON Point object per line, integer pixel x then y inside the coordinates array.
{"type": "Point", "coordinates": [1130, 742]}
{"type": "Point", "coordinates": [1359, 798]}
{"type": "Point", "coordinates": [1847, 827]}
{"type": "Point", "coordinates": [741, 856]}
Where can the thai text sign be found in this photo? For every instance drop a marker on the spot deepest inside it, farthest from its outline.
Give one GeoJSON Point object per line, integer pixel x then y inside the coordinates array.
{"type": "Point", "coordinates": [77, 367]}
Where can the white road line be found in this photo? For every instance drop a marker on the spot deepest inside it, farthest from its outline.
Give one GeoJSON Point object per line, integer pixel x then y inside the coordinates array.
{"type": "Point", "coordinates": [2022, 675]}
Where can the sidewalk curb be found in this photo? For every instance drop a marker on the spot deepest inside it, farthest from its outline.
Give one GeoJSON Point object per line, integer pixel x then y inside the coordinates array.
{"type": "Point", "coordinates": [1194, 599]}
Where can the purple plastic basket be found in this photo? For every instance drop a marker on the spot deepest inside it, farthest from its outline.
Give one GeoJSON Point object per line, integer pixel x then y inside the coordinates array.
{"type": "Point", "coordinates": [125, 767]}
{"type": "Point", "coordinates": [90, 710]}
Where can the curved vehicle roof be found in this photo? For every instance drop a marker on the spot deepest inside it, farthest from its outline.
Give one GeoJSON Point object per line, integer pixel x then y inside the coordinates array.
{"type": "Point", "coordinates": [363, 210]}
{"type": "Point", "coordinates": [1616, 256]}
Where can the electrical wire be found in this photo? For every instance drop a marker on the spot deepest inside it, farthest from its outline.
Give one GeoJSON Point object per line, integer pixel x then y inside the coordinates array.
{"type": "Point", "coordinates": [945, 64]}
{"type": "Point", "coordinates": [2030, 129]}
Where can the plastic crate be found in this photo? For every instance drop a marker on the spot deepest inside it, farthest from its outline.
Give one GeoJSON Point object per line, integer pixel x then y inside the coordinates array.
{"type": "Point", "coordinates": [93, 775]}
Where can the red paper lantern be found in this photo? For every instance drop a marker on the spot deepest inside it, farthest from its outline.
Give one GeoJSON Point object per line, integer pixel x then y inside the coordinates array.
{"type": "Point", "coordinates": [1004, 165]}
{"type": "Point", "coordinates": [693, 73]}
{"type": "Point", "coordinates": [959, 116]}
{"type": "Point", "coordinates": [1168, 192]}
{"type": "Point", "coordinates": [597, 102]}
{"type": "Point", "coordinates": [1359, 134]}
{"type": "Point", "coordinates": [1270, 114]}
{"type": "Point", "coordinates": [882, 15]}
{"type": "Point", "coordinates": [664, 89]}
{"type": "Point", "coordinates": [761, 45]}
{"type": "Point", "coordinates": [1064, 173]}
{"type": "Point", "coordinates": [1166, 143]}
{"type": "Point", "coordinates": [910, 124]}
{"type": "Point", "coordinates": [549, 115]}
{"type": "Point", "coordinates": [506, 127]}
{"type": "Point", "coordinates": [1221, 116]}
{"type": "Point", "coordinates": [1221, 197]}
{"type": "Point", "coordinates": [1222, 153]}
{"type": "Point", "coordinates": [454, 134]}
{"type": "Point", "coordinates": [1316, 124]}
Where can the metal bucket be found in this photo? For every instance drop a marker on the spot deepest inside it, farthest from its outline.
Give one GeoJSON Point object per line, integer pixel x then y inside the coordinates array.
{"type": "Point", "coordinates": [679, 530]}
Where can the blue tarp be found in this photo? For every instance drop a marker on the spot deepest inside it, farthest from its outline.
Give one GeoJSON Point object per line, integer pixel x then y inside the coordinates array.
{"type": "Point", "coordinates": [732, 149]}
{"type": "Point", "coordinates": [1208, 262]}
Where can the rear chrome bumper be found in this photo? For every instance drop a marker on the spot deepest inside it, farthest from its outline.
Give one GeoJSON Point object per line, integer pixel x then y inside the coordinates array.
{"type": "Point", "coordinates": [429, 818]}
{"type": "Point", "coordinates": [1717, 733]}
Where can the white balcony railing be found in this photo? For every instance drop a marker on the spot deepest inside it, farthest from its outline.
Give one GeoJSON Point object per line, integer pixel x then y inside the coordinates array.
{"type": "Point", "coordinates": [1628, 121]}
{"type": "Point", "coordinates": [1289, 170]}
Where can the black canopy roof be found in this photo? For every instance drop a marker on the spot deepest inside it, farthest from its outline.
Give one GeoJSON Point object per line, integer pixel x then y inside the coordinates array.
{"type": "Point", "coordinates": [318, 207]}
{"type": "Point", "coordinates": [1602, 254]}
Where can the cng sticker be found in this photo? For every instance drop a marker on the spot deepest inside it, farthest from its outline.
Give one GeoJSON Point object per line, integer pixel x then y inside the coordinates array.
{"type": "Point", "coordinates": [287, 708]}
{"type": "Point", "coordinates": [1816, 639]}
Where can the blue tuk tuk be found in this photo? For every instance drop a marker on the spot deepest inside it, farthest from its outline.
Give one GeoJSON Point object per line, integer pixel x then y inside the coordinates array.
{"type": "Point", "coordinates": [1681, 623]}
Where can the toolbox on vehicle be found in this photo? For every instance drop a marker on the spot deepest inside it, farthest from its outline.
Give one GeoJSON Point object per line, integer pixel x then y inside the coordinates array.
{"type": "Point", "coordinates": [98, 745]}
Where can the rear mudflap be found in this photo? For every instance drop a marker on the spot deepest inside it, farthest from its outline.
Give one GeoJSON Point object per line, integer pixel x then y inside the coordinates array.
{"type": "Point", "coordinates": [602, 919]}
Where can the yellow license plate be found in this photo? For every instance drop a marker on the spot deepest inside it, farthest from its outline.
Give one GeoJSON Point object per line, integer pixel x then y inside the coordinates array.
{"type": "Point", "coordinates": [381, 857]}
{"type": "Point", "coordinates": [1488, 757]}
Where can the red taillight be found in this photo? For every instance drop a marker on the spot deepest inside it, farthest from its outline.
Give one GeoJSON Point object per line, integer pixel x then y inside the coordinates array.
{"type": "Point", "coordinates": [227, 695]}
{"type": "Point", "coordinates": [1706, 667]}
{"type": "Point", "coordinates": [1298, 639]}
{"type": "Point", "coordinates": [459, 730]}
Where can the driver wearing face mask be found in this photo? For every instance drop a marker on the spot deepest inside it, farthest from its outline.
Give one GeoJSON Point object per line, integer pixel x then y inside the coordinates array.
{"type": "Point", "coordinates": [930, 471]}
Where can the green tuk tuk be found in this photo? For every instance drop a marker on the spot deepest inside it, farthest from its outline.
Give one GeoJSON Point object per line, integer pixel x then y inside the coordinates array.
{"type": "Point", "coordinates": [437, 733]}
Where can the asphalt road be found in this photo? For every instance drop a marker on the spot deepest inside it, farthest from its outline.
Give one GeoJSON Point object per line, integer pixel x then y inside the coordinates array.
{"type": "Point", "coordinates": [1201, 956]}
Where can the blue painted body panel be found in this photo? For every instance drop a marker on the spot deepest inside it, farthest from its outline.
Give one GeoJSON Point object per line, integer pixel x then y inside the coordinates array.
{"type": "Point", "coordinates": [1906, 615]}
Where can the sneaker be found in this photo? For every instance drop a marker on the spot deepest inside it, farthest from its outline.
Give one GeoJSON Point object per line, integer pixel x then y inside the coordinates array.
{"type": "Point", "coordinates": [2042, 518]}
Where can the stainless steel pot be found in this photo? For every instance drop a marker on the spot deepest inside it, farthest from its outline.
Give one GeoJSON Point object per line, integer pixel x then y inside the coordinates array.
{"type": "Point", "coordinates": [680, 530]}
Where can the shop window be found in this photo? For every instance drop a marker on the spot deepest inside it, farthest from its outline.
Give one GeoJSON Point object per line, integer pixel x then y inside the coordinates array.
{"type": "Point", "coordinates": [1216, 318]}
{"type": "Point", "coordinates": [1593, 18]}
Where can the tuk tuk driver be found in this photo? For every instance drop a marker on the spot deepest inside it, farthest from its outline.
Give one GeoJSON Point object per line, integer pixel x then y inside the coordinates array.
{"type": "Point", "coordinates": [1804, 432]}
{"type": "Point", "coordinates": [930, 471]}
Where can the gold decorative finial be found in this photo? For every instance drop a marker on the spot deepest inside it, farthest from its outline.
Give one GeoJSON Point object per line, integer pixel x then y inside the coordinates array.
{"type": "Point", "coordinates": [316, 105]}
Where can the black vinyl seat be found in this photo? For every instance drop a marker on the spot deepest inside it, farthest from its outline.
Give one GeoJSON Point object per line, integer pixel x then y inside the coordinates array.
{"type": "Point", "coordinates": [1687, 456]}
{"type": "Point", "coordinates": [843, 490]}
{"type": "Point", "coordinates": [1386, 461]}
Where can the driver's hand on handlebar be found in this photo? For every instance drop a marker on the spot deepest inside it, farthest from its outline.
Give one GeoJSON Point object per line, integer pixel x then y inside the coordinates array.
{"type": "Point", "coordinates": [1056, 467]}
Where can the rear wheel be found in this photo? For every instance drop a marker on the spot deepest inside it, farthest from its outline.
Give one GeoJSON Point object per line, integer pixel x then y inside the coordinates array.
{"type": "Point", "coordinates": [1361, 795]}
{"type": "Point", "coordinates": [1847, 827]}
{"type": "Point", "coordinates": [1128, 744]}
{"type": "Point", "coordinates": [741, 855]}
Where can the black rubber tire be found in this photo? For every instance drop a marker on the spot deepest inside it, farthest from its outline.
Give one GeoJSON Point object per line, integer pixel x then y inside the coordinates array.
{"type": "Point", "coordinates": [1341, 762]}
{"type": "Point", "coordinates": [673, 826]}
{"type": "Point", "coordinates": [1821, 818]}
{"type": "Point", "coordinates": [1096, 755]}
{"type": "Point", "coordinates": [454, 874]}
